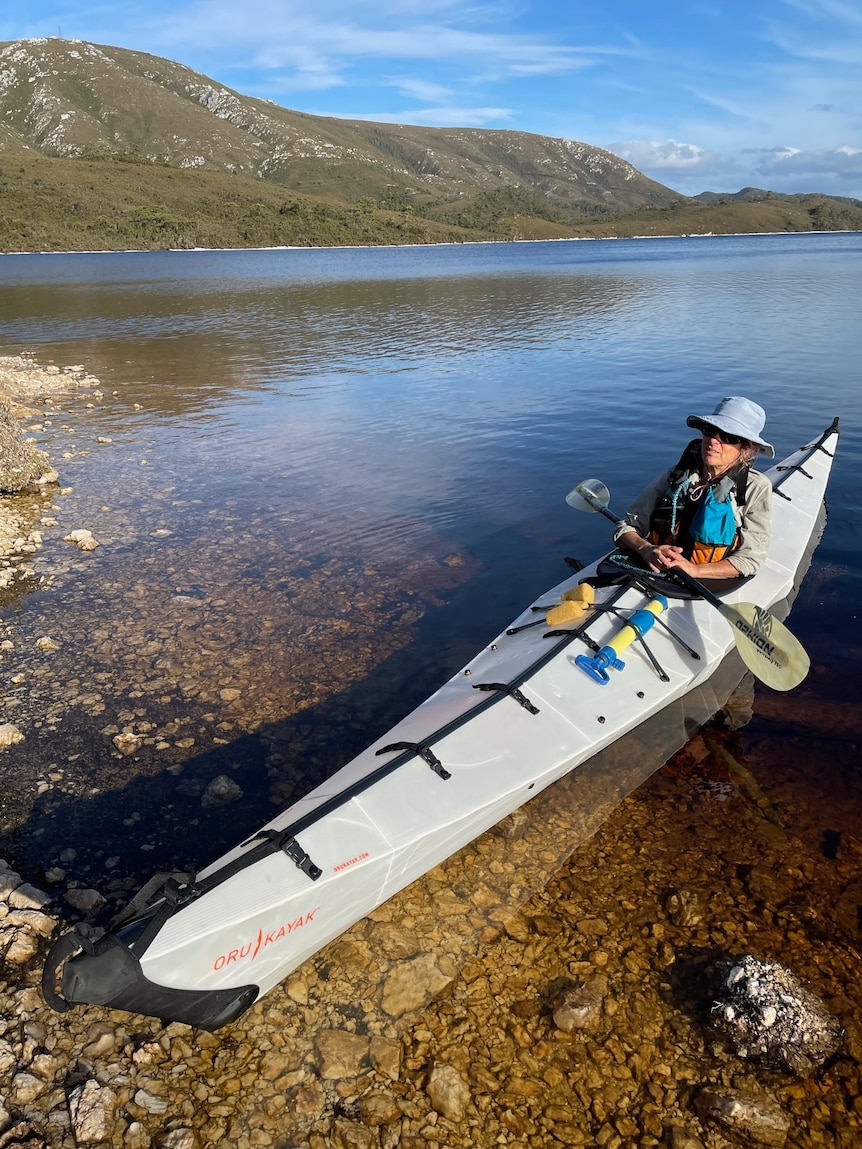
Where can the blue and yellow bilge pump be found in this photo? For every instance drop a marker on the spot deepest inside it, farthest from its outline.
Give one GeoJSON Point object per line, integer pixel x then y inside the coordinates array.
{"type": "Point", "coordinates": [635, 626]}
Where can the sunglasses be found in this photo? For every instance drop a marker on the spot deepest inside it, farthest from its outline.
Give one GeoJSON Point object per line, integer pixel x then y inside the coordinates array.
{"type": "Point", "coordinates": [710, 432]}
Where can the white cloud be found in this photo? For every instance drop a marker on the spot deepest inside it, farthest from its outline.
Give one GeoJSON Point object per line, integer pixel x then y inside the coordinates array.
{"type": "Point", "coordinates": [278, 34]}
{"type": "Point", "coordinates": [436, 117]}
{"type": "Point", "coordinates": [669, 155]}
{"type": "Point", "coordinates": [798, 165]}
{"type": "Point", "coordinates": [418, 89]}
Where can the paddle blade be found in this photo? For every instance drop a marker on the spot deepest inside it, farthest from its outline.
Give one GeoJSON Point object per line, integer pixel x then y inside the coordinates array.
{"type": "Point", "coordinates": [766, 646]}
{"type": "Point", "coordinates": [590, 495]}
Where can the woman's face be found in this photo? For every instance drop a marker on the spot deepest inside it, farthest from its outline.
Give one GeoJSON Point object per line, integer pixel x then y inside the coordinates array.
{"type": "Point", "coordinates": [719, 450]}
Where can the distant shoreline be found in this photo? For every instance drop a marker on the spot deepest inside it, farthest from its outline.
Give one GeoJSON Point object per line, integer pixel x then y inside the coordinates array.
{"type": "Point", "coordinates": [441, 243]}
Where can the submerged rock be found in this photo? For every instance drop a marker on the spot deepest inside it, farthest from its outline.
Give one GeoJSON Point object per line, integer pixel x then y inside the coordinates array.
{"type": "Point", "coordinates": [580, 1007]}
{"type": "Point", "coordinates": [221, 792]}
{"type": "Point", "coordinates": [755, 1117]}
{"type": "Point", "coordinates": [763, 1011]}
{"type": "Point", "coordinates": [448, 1092]}
{"type": "Point", "coordinates": [81, 538]}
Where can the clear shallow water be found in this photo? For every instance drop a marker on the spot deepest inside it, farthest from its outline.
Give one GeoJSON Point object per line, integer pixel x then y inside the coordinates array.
{"type": "Point", "coordinates": [383, 439]}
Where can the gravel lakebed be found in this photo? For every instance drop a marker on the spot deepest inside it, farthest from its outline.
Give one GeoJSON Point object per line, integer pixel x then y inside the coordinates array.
{"type": "Point", "coordinates": [516, 995]}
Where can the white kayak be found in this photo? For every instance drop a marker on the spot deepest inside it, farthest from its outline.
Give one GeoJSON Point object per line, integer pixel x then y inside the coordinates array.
{"type": "Point", "coordinates": [527, 710]}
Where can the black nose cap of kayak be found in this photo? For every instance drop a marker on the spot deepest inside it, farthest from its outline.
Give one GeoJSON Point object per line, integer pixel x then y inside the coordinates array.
{"type": "Point", "coordinates": [109, 974]}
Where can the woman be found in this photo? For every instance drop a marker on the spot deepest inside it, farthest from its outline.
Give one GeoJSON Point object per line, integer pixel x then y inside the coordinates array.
{"type": "Point", "coordinates": [709, 515]}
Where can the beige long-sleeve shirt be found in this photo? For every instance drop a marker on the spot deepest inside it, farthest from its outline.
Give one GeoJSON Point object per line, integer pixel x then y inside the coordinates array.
{"type": "Point", "coordinates": [754, 519]}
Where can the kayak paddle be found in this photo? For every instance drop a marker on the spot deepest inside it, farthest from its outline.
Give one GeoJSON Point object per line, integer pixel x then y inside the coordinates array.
{"type": "Point", "coordinates": [766, 646]}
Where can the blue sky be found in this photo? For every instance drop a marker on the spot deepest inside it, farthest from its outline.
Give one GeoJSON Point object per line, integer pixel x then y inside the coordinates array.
{"type": "Point", "coordinates": [698, 94]}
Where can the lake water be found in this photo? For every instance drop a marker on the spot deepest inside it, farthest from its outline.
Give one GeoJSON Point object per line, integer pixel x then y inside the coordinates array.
{"type": "Point", "coordinates": [320, 480]}
{"type": "Point", "coordinates": [330, 475]}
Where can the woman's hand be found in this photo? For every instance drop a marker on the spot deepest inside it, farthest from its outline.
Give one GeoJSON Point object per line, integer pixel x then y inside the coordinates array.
{"type": "Point", "coordinates": [661, 557]}
{"type": "Point", "coordinates": [704, 571]}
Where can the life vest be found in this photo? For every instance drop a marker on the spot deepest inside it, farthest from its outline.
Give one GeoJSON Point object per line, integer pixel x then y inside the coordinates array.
{"type": "Point", "coordinates": [699, 515]}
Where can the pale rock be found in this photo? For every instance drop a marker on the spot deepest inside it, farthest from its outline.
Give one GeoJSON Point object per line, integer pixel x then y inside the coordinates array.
{"type": "Point", "coordinates": [9, 881]}
{"type": "Point", "coordinates": [752, 1116]}
{"type": "Point", "coordinates": [351, 1135]}
{"type": "Point", "coordinates": [33, 921]}
{"type": "Point", "coordinates": [93, 1109]}
{"type": "Point", "coordinates": [386, 1057]}
{"type": "Point", "coordinates": [684, 908]}
{"type": "Point", "coordinates": [7, 1057]}
{"type": "Point", "coordinates": [230, 694]}
{"type": "Point", "coordinates": [763, 1011]}
{"type": "Point", "coordinates": [127, 743]}
{"type": "Point", "coordinates": [46, 1067]}
{"type": "Point", "coordinates": [26, 1088]}
{"type": "Point", "coordinates": [27, 897]}
{"type": "Point", "coordinates": [18, 946]}
{"type": "Point", "coordinates": [179, 1139]}
{"type": "Point", "coordinates": [297, 989]}
{"type": "Point", "coordinates": [102, 1041]}
{"type": "Point", "coordinates": [47, 644]}
{"type": "Point", "coordinates": [221, 792]}
{"type": "Point", "coordinates": [448, 1092]}
{"type": "Point", "coordinates": [149, 1053]}
{"type": "Point", "coordinates": [580, 1007]}
{"type": "Point", "coordinates": [146, 1101]}
{"type": "Point", "coordinates": [87, 901]}
{"type": "Point", "coordinates": [82, 539]}
{"type": "Point", "coordinates": [379, 1109]}
{"type": "Point", "coordinates": [10, 735]}
{"type": "Point", "coordinates": [413, 983]}
{"type": "Point", "coordinates": [341, 1054]}
{"type": "Point", "coordinates": [137, 1137]}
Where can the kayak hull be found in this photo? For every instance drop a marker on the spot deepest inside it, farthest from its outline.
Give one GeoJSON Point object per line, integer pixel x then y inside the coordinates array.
{"type": "Point", "coordinates": [520, 716]}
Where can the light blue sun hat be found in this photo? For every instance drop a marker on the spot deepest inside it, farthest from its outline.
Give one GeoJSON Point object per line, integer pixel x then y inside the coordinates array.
{"type": "Point", "coordinates": [738, 416]}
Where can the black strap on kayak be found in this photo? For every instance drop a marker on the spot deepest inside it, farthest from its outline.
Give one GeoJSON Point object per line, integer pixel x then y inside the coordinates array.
{"type": "Point", "coordinates": [145, 894]}
{"type": "Point", "coordinates": [809, 449]}
{"type": "Point", "coordinates": [421, 750]}
{"type": "Point", "coordinates": [173, 896]}
{"type": "Point", "coordinates": [511, 691]}
{"type": "Point", "coordinates": [283, 840]}
{"type": "Point", "coordinates": [64, 947]}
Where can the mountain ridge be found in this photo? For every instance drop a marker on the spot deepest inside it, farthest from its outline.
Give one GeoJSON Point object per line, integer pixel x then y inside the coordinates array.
{"type": "Point", "coordinates": [72, 98]}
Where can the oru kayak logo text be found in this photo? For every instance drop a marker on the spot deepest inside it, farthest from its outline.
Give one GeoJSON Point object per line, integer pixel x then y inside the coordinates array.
{"type": "Point", "coordinates": [250, 950]}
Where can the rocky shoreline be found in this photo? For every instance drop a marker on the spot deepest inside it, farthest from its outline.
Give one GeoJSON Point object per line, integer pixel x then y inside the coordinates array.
{"type": "Point", "coordinates": [466, 1012]}
{"type": "Point", "coordinates": [28, 392]}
